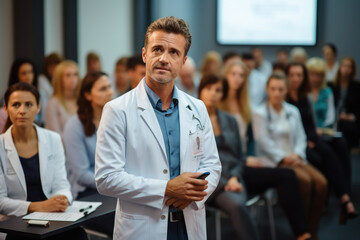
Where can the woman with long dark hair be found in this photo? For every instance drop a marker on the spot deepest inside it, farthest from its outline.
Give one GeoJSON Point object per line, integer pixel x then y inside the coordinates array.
{"type": "Point", "coordinates": [347, 101]}
{"type": "Point", "coordinates": [32, 162]}
{"type": "Point", "coordinates": [80, 142]}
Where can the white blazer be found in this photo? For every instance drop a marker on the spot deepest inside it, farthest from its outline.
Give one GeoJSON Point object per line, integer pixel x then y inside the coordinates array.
{"type": "Point", "coordinates": [13, 193]}
{"type": "Point", "coordinates": [267, 133]}
{"type": "Point", "coordinates": [131, 164]}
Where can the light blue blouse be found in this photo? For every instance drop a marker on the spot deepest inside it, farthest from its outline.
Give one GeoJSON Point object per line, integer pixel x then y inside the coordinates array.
{"type": "Point", "coordinates": [80, 156]}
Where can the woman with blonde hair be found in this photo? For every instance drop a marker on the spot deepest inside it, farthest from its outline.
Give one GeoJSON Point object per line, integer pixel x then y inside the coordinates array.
{"type": "Point", "coordinates": [62, 105]}
{"type": "Point", "coordinates": [320, 95]}
{"type": "Point", "coordinates": [212, 63]}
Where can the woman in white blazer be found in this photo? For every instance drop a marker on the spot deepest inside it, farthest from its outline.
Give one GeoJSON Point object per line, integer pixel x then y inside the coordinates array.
{"type": "Point", "coordinates": [32, 162]}
{"type": "Point", "coordinates": [281, 142]}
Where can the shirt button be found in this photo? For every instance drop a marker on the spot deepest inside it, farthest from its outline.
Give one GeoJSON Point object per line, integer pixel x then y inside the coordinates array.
{"type": "Point", "coordinates": [165, 171]}
{"type": "Point", "coordinates": [163, 217]}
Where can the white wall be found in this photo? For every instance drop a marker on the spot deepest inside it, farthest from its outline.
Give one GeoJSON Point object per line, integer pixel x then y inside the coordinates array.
{"type": "Point", "coordinates": [6, 42]}
{"type": "Point", "coordinates": [53, 27]}
{"type": "Point", "coordinates": [106, 28]}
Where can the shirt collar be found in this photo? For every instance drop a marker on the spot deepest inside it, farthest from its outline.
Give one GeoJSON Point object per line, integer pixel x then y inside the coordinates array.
{"type": "Point", "coordinates": [156, 101]}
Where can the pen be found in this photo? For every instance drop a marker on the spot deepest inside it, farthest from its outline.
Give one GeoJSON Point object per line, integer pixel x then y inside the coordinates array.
{"type": "Point", "coordinates": [83, 209]}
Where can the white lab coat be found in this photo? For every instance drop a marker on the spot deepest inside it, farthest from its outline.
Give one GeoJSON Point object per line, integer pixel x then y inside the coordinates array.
{"type": "Point", "coordinates": [13, 193]}
{"type": "Point", "coordinates": [131, 164]}
{"type": "Point", "coordinates": [268, 133]}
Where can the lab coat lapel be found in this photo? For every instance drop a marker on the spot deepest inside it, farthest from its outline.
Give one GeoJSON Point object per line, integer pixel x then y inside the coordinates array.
{"type": "Point", "coordinates": [43, 156]}
{"type": "Point", "coordinates": [13, 158]}
{"type": "Point", "coordinates": [185, 118]}
{"type": "Point", "coordinates": [148, 115]}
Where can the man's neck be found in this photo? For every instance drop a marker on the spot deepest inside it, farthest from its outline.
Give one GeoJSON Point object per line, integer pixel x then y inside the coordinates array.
{"type": "Point", "coordinates": [163, 90]}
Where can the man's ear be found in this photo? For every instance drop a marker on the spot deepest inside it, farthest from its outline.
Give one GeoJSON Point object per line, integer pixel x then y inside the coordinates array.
{"type": "Point", "coordinates": [185, 58]}
{"type": "Point", "coordinates": [144, 54]}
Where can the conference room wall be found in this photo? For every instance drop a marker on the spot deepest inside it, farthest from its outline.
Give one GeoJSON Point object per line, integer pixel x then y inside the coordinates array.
{"type": "Point", "coordinates": [336, 23]}
{"type": "Point", "coordinates": [6, 42]}
{"type": "Point", "coordinates": [105, 27]}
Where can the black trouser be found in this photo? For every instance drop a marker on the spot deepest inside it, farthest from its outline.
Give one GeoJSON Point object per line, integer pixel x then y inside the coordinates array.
{"type": "Point", "coordinates": [258, 180]}
{"type": "Point", "coordinates": [351, 132]}
{"type": "Point", "coordinates": [234, 204]}
{"type": "Point", "coordinates": [326, 159]}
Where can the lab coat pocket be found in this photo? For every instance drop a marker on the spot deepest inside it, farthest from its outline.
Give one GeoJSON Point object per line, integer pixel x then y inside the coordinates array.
{"type": "Point", "coordinates": [130, 224]}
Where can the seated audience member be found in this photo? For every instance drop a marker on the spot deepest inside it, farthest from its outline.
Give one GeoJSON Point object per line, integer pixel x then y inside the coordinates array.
{"type": "Point", "coordinates": [22, 70]}
{"type": "Point", "coordinates": [261, 64]}
{"type": "Point", "coordinates": [231, 56]}
{"type": "Point", "coordinates": [136, 70]}
{"type": "Point", "coordinates": [325, 156]}
{"type": "Point", "coordinates": [62, 105]}
{"type": "Point", "coordinates": [281, 142]}
{"type": "Point", "coordinates": [80, 133]}
{"type": "Point", "coordinates": [122, 83]}
{"type": "Point", "coordinates": [257, 81]}
{"type": "Point", "coordinates": [32, 162]}
{"type": "Point", "coordinates": [93, 63]}
{"type": "Point", "coordinates": [320, 94]}
{"type": "Point", "coordinates": [231, 194]}
{"type": "Point", "coordinates": [298, 54]}
{"type": "Point", "coordinates": [347, 101]}
{"type": "Point", "coordinates": [235, 101]}
{"type": "Point", "coordinates": [187, 80]}
{"type": "Point", "coordinates": [329, 53]}
{"type": "Point", "coordinates": [211, 64]}
{"type": "Point", "coordinates": [80, 142]}
{"type": "Point", "coordinates": [45, 80]}
{"type": "Point", "coordinates": [282, 56]}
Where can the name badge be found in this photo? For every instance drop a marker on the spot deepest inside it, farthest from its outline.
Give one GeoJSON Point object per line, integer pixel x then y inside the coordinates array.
{"type": "Point", "coordinates": [10, 171]}
{"type": "Point", "coordinates": [197, 141]}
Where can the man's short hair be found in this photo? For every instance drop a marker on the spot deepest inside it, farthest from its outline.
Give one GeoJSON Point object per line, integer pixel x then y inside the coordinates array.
{"type": "Point", "coordinates": [170, 25]}
{"type": "Point", "coordinates": [133, 61]}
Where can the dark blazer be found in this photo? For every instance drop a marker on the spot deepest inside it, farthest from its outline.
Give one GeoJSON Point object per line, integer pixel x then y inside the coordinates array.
{"type": "Point", "coordinates": [352, 99]}
{"type": "Point", "coordinates": [229, 148]}
{"type": "Point", "coordinates": [307, 117]}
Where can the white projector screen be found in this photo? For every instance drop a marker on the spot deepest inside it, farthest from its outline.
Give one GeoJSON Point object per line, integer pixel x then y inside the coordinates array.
{"type": "Point", "coordinates": [266, 22]}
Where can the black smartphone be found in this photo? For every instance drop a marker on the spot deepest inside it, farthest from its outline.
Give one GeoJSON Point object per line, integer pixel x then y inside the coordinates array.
{"type": "Point", "coordinates": [203, 175]}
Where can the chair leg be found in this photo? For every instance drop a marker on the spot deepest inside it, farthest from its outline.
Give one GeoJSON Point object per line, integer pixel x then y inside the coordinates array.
{"type": "Point", "coordinates": [218, 224]}
{"type": "Point", "coordinates": [271, 218]}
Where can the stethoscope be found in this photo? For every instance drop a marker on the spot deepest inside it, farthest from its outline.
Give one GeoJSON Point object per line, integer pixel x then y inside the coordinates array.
{"type": "Point", "coordinates": [199, 125]}
{"type": "Point", "coordinates": [287, 114]}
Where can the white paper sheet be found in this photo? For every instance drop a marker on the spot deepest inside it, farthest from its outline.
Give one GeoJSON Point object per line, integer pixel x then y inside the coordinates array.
{"type": "Point", "coordinates": [75, 211]}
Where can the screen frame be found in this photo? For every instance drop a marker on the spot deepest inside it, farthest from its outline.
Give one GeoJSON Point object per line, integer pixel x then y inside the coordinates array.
{"type": "Point", "coordinates": [264, 44]}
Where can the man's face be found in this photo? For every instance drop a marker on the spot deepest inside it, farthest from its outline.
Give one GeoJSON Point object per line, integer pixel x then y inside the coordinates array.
{"type": "Point", "coordinates": [164, 56]}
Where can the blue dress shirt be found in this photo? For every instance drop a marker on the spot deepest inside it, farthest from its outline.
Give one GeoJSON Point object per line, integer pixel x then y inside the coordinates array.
{"type": "Point", "coordinates": [170, 128]}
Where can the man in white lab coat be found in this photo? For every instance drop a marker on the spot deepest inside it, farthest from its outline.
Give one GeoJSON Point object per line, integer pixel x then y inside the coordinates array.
{"type": "Point", "coordinates": [153, 143]}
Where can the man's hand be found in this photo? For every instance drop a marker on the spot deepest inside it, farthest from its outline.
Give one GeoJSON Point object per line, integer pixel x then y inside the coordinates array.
{"type": "Point", "coordinates": [233, 185]}
{"type": "Point", "coordinates": [179, 204]}
{"type": "Point", "coordinates": [187, 187]}
{"type": "Point", "coordinates": [56, 203]}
